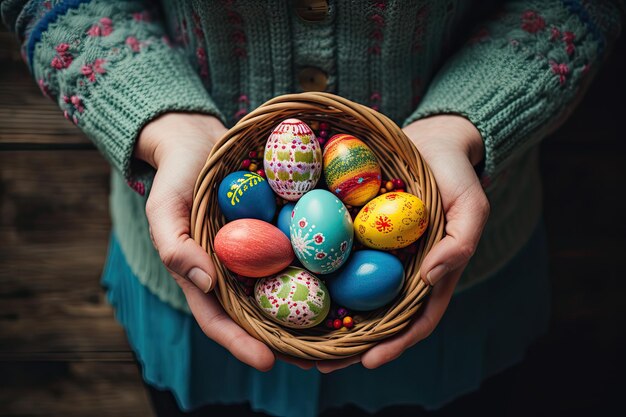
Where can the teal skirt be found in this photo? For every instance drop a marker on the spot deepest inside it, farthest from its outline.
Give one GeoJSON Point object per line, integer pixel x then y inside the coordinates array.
{"type": "Point", "coordinates": [486, 329]}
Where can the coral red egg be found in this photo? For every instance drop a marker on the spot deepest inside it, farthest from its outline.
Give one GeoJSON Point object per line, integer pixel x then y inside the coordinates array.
{"type": "Point", "coordinates": [253, 248]}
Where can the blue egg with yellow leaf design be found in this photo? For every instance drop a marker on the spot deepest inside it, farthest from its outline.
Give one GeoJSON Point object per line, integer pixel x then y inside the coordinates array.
{"type": "Point", "coordinates": [246, 195]}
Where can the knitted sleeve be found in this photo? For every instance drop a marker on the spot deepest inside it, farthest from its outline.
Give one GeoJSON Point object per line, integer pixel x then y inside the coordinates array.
{"type": "Point", "coordinates": [110, 67]}
{"type": "Point", "coordinates": [522, 72]}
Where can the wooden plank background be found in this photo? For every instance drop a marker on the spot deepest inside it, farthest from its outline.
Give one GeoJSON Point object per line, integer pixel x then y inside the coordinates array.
{"type": "Point", "coordinates": [62, 353]}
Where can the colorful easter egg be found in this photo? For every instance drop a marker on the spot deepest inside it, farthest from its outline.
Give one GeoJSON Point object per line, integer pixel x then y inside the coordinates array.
{"type": "Point", "coordinates": [321, 232]}
{"type": "Point", "coordinates": [246, 195]}
{"type": "Point", "coordinates": [351, 170]}
{"type": "Point", "coordinates": [292, 159]}
{"type": "Point", "coordinates": [369, 280]}
{"type": "Point", "coordinates": [293, 298]}
{"type": "Point", "coordinates": [252, 248]}
{"type": "Point", "coordinates": [284, 218]}
{"type": "Point", "coordinates": [391, 221]}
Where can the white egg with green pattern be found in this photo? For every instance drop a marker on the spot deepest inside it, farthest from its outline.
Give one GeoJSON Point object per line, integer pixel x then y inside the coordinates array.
{"type": "Point", "coordinates": [293, 298]}
{"type": "Point", "coordinates": [292, 159]}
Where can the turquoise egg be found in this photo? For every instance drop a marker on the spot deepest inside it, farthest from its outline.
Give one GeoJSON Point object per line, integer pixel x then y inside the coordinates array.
{"type": "Point", "coordinates": [321, 232]}
{"type": "Point", "coordinates": [284, 218]}
{"type": "Point", "coordinates": [246, 195]}
{"type": "Point", "coordinates": [369, 280]}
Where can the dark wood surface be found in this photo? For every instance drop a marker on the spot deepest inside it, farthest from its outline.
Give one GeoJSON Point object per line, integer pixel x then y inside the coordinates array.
{"type": "Point", "coordinates": [63, 354]}
{"type": "Point", "coordinates": [61, 351]}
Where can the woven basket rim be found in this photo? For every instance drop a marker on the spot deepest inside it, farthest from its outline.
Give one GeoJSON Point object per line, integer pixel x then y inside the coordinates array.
{"type": "Point", "coordinates": [381, 134]}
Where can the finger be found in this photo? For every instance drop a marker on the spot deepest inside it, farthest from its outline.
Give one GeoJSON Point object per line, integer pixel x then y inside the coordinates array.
{"type": "Point", "coordinates": [420, 328]}
{"type": "Point", "coordinates": [216, 324]}
{"type": "Point", "coordinates": [329, 366]}
{"type": "Point", "coordinates": [465, 220]}
{"type": "Point", "coordinates": [300, 363]}
{"type": "Point", "coordinates": [169, 223]}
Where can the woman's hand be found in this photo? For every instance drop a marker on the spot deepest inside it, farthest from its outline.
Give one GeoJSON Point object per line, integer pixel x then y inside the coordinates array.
{"type": "Point", "coordinates": [177, 145]}
{"type": "Point", "coordinates": [451, 146]}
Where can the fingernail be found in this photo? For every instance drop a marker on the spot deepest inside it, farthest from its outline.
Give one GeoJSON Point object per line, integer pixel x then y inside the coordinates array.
{"type": "Point", "coordinates": [436, 274]}
{"type": "Point", "coordinates": [200, 278]}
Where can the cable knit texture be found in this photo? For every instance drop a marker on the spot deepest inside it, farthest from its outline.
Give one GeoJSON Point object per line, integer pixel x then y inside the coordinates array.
{"type": "Point", "coordinates": [514, 72]}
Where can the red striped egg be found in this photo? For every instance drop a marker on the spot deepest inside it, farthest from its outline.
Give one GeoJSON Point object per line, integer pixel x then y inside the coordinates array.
{"type": "Point", "coordinates": [351, 170]}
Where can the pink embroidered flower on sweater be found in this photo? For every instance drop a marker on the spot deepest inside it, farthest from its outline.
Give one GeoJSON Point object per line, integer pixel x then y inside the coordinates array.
{"type": "Point", "coordinates": [77, 103]}
{"type": "Point", "coordinates": [568, 38]}
{"type": "Point", "coordinates": [62, 48]}
{"type": "Point", "coordinates": [138, 186]}
{"type": "Point", "coordinates": [532, 22]}
{"type": "Point", "coordinates": [57, 63]}
{"type": "Point", "coordinates": [202, 62]}
{"type": "Point", "coordinates": [143, 16]}
{"type": "Point", "coordinates": [376, 33]}
{"type": "Point", "coordinates": [44, 87]}
{"type": "Point", "coordinates": [104, 27]}
{"type": "Point", "coordinates": [562, 70]}
{"type": "Point", "coordinates": [90, 70]}
{"type": "Point", "coordinates": [555, 33]}
{"type": "Point", "coordinates": [133, 43]}
{"type": "Point", "coordinates": [240, 113]}
{"type": "Point", "coordinates": [63, 59]}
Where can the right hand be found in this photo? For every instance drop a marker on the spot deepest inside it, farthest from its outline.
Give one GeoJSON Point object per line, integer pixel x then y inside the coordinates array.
{"type": "Point", "coordinates": [177, 146]}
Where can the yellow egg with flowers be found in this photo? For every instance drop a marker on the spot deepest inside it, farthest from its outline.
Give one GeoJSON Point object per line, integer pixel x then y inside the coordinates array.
{"type": "Point", "coordinates": [391, 221]}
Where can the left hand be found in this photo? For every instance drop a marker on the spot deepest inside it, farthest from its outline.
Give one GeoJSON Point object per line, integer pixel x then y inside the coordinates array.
{"type": "Point", "coordinates": [451, 146]}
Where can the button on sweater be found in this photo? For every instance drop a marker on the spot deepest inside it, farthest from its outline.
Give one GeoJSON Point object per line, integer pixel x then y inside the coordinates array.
{"type": "Point", "coordinates": [515, 69]}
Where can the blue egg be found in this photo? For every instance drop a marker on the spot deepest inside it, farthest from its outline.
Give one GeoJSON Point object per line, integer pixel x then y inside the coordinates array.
{"type": "Point", "coordinates": [321, 232]}
{"type": "Point", "coordinates": [246, 195]}
{"type": "Point", "coordinates": [369, 280]}
{"type": "Point", "coordinates": [284, 218]}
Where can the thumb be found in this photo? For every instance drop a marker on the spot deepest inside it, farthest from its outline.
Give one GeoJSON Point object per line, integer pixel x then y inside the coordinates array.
{"type": "Point", "coordinates": [465, 220]}
{"type": "Point", "coordinates": [168, 215]}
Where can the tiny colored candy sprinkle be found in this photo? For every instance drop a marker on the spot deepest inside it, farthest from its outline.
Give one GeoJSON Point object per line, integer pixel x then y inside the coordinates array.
{"type": "Point", "coordinates": [245, 163]}
{"type": "Point", "coordinates": [348, 322]}
{"type": "Point", "coordinates": [253, 154]}
{"type": "Point", "coordinates": [261, 172]}
{"type": "Point", "coordinates": [337, 323]}
{"type": "Point", "coordinates": [342, 312]}
{"type": "Point", "coordinates": [253, 167]}
{"type": "Point", "coordinates": [398, 183]}
{"type": "Point", "coordinates": [389, 185]}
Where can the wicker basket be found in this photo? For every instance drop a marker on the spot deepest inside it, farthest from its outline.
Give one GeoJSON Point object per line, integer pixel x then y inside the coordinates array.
{"type": "Point", "coordinates": [399, 159]}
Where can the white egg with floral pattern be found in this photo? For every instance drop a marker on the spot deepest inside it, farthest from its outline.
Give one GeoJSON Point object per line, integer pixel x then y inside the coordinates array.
{"type": "Point", "coordinates": [293, 298]}
{"type": "Point", "coordinates": [321, 232]}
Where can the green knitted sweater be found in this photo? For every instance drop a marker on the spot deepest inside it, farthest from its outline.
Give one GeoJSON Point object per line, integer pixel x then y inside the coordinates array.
{"type": "Point", "coordinates": [513, 70]}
